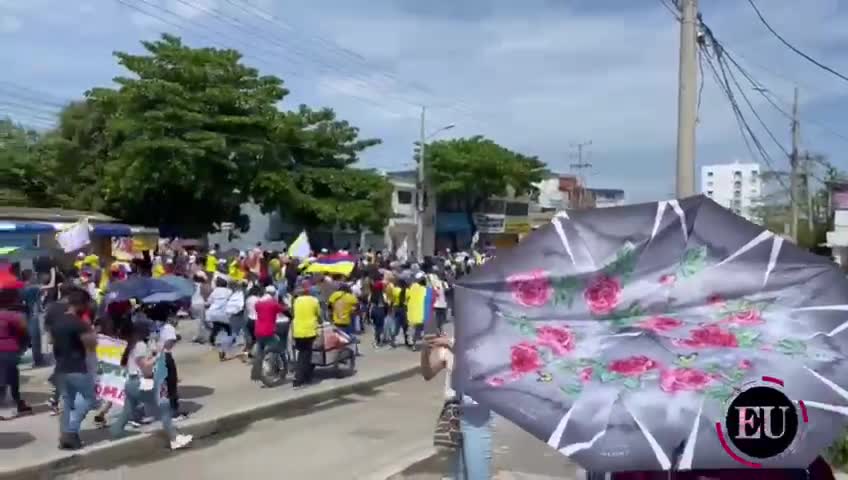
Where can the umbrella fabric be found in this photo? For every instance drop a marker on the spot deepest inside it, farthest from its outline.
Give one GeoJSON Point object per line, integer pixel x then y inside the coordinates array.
{"type": "Point", "coordinates": [139, 288]}
{"type": "Point", "coordinates": [182, 285]}
{"type": "Point", "coordinates": [616, 335]}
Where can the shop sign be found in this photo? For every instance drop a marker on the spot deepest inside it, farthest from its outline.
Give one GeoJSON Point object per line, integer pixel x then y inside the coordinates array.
{"type": "Point", "coordinates": [517, 225]}
{"type": "Point", "coordinates": [489, 223]}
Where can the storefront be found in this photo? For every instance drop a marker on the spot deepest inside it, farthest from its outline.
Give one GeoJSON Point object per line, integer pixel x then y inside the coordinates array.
{"type": "Point", "coordinates": [23, 234]}
{"type": "Point", "coordinates": [453, 231]}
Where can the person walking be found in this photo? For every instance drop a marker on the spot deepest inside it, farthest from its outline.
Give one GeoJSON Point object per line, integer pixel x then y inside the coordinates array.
{"type": "Point", "coordinates": [139, 388]}
{"type": "Point", "coordinates": [216, 314]}
{"type": "Point", "coordinates": [440, 303]}
{"type": "Point", "coordinates": [305, 322]}
{"type": "Point", "coordinates": [253, 296]}
{"type": "Point", "coordinates": [14, 338]}
{"type": "Point", "coordinates": [268, 308]}
{"type": "Point", "coordinates": [73, 339]}
{"type": "Point", "coordinates": [198, 306]}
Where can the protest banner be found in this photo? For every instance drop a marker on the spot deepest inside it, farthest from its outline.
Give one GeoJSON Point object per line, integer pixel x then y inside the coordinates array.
{"type": "Point", "coordinates": [111, 376]}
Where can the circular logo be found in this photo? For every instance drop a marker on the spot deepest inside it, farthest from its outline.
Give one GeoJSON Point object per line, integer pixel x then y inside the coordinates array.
{"type": "Point", "coordinates": [762, 422]}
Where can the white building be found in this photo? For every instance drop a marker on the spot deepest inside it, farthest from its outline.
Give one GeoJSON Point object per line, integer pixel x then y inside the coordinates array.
{"type": "Point", "coordinates": [735, 186]}
{"type": "Point", "coordinates": [402, 224]}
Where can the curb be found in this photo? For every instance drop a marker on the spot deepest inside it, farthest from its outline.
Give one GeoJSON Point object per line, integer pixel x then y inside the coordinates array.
{"type": "Point", "coordinates": [113, 453]}
{"type": "Point", "coordinates": [401, 466]}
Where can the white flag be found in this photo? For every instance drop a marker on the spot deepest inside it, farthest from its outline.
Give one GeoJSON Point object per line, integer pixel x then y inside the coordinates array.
{"type": "Point", "coordinates": [300, 247]}
{"type": "Point", "coordinates": [403, 251]}
{"type": "Point", "coordinates": [74, 237]}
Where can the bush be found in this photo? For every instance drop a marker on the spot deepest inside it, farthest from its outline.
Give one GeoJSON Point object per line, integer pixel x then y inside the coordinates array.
{"type": "Point", "coordinates": [837, 454]}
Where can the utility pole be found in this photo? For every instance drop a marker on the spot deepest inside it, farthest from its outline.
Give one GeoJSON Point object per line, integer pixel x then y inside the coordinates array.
{"type": "Point", "coordinates": [580, 166]}
{"type": "Point", "coordinates": [793, 167]}
{"type": "Point", "coordinates": [420, 190]}
{"type": "Point", "coordinates": [687, 98]}
{"type": "Point", "coordinates": [808, 192]}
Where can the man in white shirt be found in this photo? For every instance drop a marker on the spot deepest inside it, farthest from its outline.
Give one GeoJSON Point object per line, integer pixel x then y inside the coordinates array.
{"type": "Point", "coordinates": [440, 303]}
{"type": "Point", "coordinates": [166, 339]}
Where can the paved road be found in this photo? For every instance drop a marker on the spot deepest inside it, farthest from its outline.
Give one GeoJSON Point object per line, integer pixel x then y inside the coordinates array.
{"type": "Point", "coordinates": [356, 437]}
{"type": "Point", "coordinates": [516, 456]}
{"type": "Point", "coordinates": [353, 437]}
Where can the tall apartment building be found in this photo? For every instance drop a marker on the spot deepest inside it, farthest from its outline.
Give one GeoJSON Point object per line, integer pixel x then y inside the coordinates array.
{"type": "Point", "coordinates": [735, 186]}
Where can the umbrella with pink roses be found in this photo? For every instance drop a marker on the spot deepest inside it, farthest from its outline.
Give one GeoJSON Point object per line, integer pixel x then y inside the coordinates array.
{"type": "Point", "coordinates": [618, 336]}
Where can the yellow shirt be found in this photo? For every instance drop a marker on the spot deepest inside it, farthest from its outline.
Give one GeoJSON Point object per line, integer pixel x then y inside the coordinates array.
{"type": "Point", "coordinates": [306, 313]}
{"type": "Point", "coordinates": [78, 265]}
{"type": "Point", "coordinates": [211, 264]}
{"type": "Point", "coordinates": [344, 304]}
{"type": "Point", "coordinates": [396, 296]}
{"type": "Point", "coordinates": [158, 270]}
{"type": "Point", "coordinates": [416, 294]}
{"type": "Point", "coordinates": [236, 272]}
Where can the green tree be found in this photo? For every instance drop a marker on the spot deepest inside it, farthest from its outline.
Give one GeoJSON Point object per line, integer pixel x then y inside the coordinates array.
{"type": "Point", "coordinates": [311, 176]}
{"type": "Point", "coordinates": [472, 170]}
{"type": "Point", "coordinates": [21, 181]}
{"type": "Point", "coordinates": [184, 135]}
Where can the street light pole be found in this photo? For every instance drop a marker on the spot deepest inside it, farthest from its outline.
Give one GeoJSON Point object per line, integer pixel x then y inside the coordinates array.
{"type": "Point", "coordinates": [420, 190]}
{"type": "Point", "coordinates": [421, 184]}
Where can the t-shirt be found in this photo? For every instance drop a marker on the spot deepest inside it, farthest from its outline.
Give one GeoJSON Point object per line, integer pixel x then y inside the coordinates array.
{"type": "Point", "coordinates": [167, 333]}
{"type": "Point", "coordinates": [250, 307]}
{"type": "Point", "coordinates": [267, 310]}
{"type": "Point", "coordinates": [344, 304]}
{"type": "Point", "coordinates": [139, 351]}
{"type": "Point", "coordinates": [68, 349]}
{"type": "Point", "coordinates": [307, 312]}
{"type": "Point", "coordinates": [416, 296]}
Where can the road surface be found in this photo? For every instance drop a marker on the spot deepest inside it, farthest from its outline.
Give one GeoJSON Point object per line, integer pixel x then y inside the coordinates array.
{"type": "Point", "coordinates": [357, 437]}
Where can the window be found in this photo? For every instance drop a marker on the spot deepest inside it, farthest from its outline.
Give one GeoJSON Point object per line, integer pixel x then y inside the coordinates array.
{"type": "Point", "coordinates": [710, 184]}
{"type": "Point", "coordinates": [517, 209]}
{"type": "Point", "coordinates": [709, 174]}
{"type": "Point", "coordinates": [494, 206]}
{"type": "Point", "coordinates": [404, 197]}
{"type": "Point", "coordinates": [737, 184]}
{"type": "Point", "coordinates": [737, 194]}
{"type": "Point", "coordinates": [753, 180]}
{"type": "Point", "coordinates": [709, 193]}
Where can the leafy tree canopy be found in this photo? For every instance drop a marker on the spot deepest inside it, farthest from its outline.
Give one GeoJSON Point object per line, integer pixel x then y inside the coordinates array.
{"type": "Point", "coordinates": [190, 134]}
{"type": "Point", "coordinates": [471, 170]}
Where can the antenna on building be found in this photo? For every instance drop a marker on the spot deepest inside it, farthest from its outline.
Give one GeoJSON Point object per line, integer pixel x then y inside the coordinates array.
{"type": "Point", "coordinates": [580, 167]}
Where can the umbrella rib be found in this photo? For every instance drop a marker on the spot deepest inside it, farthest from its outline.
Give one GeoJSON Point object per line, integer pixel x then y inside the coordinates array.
{"type": "Point", "coordinates": [658, 218]}
{"type": "Point", "coordinates": [689, 452]}
{"type": "Point", "coordinates": [836, 388]}
{"type": "Point", "coordinates": [777, 242]}
{"type": "Point", "coordinates": [561, 232]}
{"type": "Point", "coordinates": [569, 450]}
{"type": "Point", "coordinates": [556, 436]}
{"type": "Point", "coordinates": [675, 205]}
{"type": "Point", "coordinates": [762, 237]}
{"type": "Point", "coordinates": [662, 458]}
{"type": "Point", "coordinates": [827, 407]}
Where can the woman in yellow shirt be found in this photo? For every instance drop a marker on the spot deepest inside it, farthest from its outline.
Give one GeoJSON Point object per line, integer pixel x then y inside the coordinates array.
{"type": "Point", "coordinates": [399, 298]}
{"type": "Point", "coordinates": [306, 318]}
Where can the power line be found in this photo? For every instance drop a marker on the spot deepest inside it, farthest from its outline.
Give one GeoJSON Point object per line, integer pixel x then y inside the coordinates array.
{"type": "Point", "coordinates": [673, 10]}
{"type": "Point", "coordinates": [744, 127]}
{"type": "Point", "coordinates": [792, 47]}
{"type": "Point", "coordinates": [296, 55]}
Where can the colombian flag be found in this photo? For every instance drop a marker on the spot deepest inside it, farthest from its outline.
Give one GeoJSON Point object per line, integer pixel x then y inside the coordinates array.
{"type": "Point", "coordinates": [419, 307]}
{"type": "Point", "coordinates": [335, 264]}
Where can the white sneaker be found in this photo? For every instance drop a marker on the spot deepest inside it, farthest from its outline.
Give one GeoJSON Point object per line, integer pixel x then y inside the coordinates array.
{"type": "Point", "coordinates": [180, 442]}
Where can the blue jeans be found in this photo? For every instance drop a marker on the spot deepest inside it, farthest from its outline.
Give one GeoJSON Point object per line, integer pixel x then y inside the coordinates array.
{"type": "Point", "coordinates": [474, 459]}
{"type": "Point", "coordinates": [77, 393]}
{"type": "Point", "coordinates": [34, 328]}
{"type": "Point", "coordinates": [134, 397]}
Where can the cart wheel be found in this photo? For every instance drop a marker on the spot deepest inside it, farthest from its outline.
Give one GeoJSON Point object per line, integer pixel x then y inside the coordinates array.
{"type": "Point", "coordinates": [345, 363]}
{"type": "Point", "coordinates": [274, 369]}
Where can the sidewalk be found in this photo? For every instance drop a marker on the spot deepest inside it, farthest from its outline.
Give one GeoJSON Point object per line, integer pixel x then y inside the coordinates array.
{"type": "Point", "coordinates": [219, 396]}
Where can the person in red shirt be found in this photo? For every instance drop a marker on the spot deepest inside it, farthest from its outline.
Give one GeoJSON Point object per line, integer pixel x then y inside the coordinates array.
{"type": "Point", "coordinates": [14, 340]}
{"type": "Point", "coordinates": [266, 332]}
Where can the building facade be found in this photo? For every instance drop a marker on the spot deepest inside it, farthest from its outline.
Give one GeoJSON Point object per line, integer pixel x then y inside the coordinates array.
{"type": "Point", "coordinates": [606, 197]}
{"type": "Point", "coordinates": [735, 186]}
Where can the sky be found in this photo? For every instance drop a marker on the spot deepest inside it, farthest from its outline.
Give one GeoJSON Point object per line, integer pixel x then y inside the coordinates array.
{"type": "Point", "coordinates": [537, 76]}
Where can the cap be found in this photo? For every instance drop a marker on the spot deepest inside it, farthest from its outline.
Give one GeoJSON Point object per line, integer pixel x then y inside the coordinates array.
{"type": "Point", "coordinates": [419, 275]}
{"type": "Point", "coordinates": [271, 289]}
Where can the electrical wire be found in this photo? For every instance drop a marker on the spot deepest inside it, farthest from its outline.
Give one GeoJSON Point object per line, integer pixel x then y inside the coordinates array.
{"type": "Point", "coordinates": [744, 127]}
{"type": "Point", "coordinates": [675, 12]}
{"type": "Point", "coordinates": [792, 47]}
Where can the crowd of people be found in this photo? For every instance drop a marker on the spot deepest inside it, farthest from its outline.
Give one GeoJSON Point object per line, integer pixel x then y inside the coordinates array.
{"type": "Point", "coordinates": [244, 303]}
